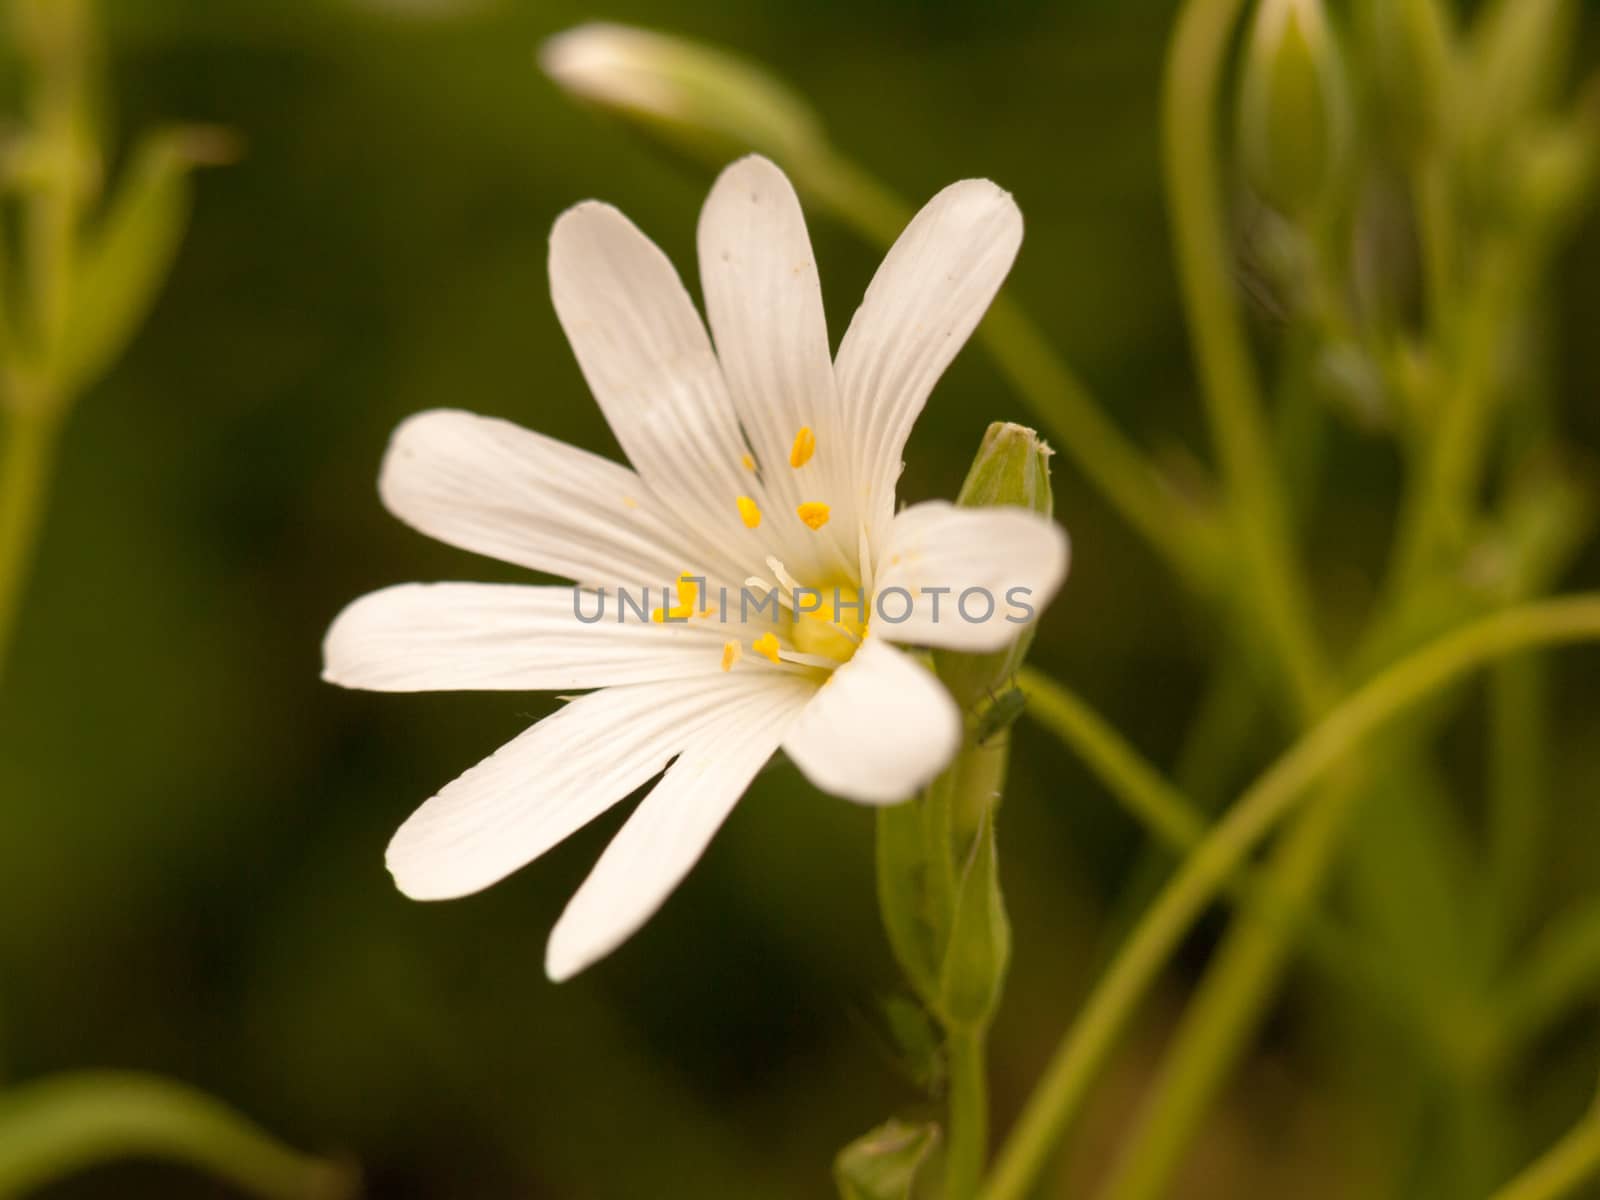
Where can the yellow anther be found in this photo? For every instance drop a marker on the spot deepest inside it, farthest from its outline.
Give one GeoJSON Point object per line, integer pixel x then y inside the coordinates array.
{"type": "Point", "coordinates": [767, 646]}
{"type": "Point", "coordinates": [814, 513]}
{"type": "Point", "coordinates": [805, 445]}
{"type": "Point", "coordinates": [688, 589]}
{"type": "Point", "coordinates": [730, 654]}
{"type": "Point", "coordinates": [629, 502]}
{"type": "Point", "coordinates": [748, 463]}
{"type": "Point", "coordinates": [688, 592]}
{"type": "Point", "coordinates": [748, 512]}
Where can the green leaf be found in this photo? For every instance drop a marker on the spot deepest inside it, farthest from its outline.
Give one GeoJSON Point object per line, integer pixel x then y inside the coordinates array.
{"type": "Point", "coordinates": [980, 939]}
{"type": "Point", "coordinates": [883, 1165]}
{"type": "Point", "coordinates": [128, 255]}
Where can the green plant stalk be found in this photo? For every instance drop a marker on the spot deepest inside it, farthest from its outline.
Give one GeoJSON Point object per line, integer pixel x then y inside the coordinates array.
{"type": "Point", "coordinates": [977, 781]}
{"type": "Point", "coordinates": [1569, 1165]}
{"type": "Point", "coordinates": [26, 459]}
{"type": "Point", "coordinates": [1435, 508]}
{"type": "Point", "coordinates": [1257, 507]}
{"type": "Point", "coordinates": [1178, 826]}
{"type": "Point", "coordinates": [1237, 988]}
{"type": "Point", "coordinates": [1518, 719]}
{"type": "Point", "coordinates": [1093, 1035]}
{"type": "Point", "coordinates": [968, 1148]}
{"type": "Point", "coordinates": [67, 1124]}
{"type": "Point", "coordinates": [1181, 535]}
{"type": "Point", "coordinates": [1561, 971]}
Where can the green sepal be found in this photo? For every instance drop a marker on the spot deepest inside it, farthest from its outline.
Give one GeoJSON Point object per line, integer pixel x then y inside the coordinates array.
{"type": "Point", "coordinates": [979, 952]}
{"type": "Point", "coordinates": [914, 894]}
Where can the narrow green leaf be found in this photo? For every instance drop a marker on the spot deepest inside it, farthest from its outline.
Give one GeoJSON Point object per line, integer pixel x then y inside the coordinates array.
{"type": "Point", "coordinates": [883, 1165]}
{"type": "Point", "coordinates": [980, 939]}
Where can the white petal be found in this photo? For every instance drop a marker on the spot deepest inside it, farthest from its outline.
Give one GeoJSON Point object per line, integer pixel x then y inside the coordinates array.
{"type": "Point", "coordinates": [424, 637]}
{"type": "Point", "coordinates": [646, 356]}
{"type": "Point", "coordinates": [921, 306]}
{"type": "Point", "coordinates": [765, 310]}
{"type": "Point", "coordinates": [491, 487]}
{"type": "Point", "coordinates": [555, 778]}
{"type": "Point", "coordinates": [976, 577]}
{"type": "Point", "coordinates": [881, 728]}
{"type": "Point", "coordinates": [671, 828]}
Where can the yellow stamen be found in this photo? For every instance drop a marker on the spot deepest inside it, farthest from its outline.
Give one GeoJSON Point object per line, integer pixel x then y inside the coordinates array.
{"type": "Point", "coordinates": [748, 463]}
{"type": "Point", "coordinates": [688, 589]}
{"type": "Point", "coordinates": [730, 655]}
{"type": "Point", "coordinates": [767, 646]}
{"type": "Point", "coordinates": [805, 445]}
{"type": "Point", "coordinates": [814, 513]}
{"type": "Point", "coordinates": [748, 512]}
{"type": "Point", "coordinates": [629, 502]}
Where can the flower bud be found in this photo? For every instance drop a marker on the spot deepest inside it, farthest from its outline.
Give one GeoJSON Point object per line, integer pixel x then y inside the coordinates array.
{"type": "Point", "coordinates": [1410, 45]}
{"type": "Point", "coordinates": [1293, 109]}
{"type": "Point", "coordinates": [1012, 468]}
{"type": "Point", "coordinates": [699, 100]}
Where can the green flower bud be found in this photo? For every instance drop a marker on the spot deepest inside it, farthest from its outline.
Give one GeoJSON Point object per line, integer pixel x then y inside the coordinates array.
{"type": "Point", "coordinates": [1293, 106]}
{"type": "Point", "coordinates": [1410, 44]}
{"type": "Point", "coordinates": [1012, 468]}
{"type": "Point", "coordinates": [699, 100]}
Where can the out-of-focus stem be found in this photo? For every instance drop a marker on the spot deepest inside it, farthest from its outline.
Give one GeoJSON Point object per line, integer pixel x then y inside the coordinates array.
{"type": "Point", "coordinates": [1178, 825]}
{"type": "Point", "coordinates": [1517, 797]}
{"type": "Point", "coordinates": [1184, 537]}
{"type": "Point", "coordinates": [1570, 1164]}
{"type": "Point", "coordinates": [26, 457]}
{"type": "Point", "coordinates": [1090, 1040]}
{"type": "Point", "coordinates": [1257, 506]}
{"type": "Point", "coordinates": [68, 1124]}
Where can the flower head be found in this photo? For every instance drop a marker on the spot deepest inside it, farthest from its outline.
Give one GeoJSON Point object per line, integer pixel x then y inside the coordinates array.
{"type": "Point", "coordinates": [760, 510]}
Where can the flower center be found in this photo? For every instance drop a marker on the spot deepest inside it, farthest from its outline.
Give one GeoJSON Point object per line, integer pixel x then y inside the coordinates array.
{"type": "Point", "coordinates": [835, 627]}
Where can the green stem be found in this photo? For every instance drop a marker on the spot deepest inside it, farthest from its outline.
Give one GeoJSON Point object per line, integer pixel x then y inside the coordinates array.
{"type": "Point", "coordinates": [1570, 1164]}
{"type": "Point", "coordinates": [1561, 971]}
{"type": "Point", "coordinates": [1177, 824]}
{"type": "Point", "coordinates": [26, 459]}
{"type": "Point", "coordinates": [1434, 512]}
{"type": "Point", "coordinates": [1185, 538]}
{"type": "Point", "coordinates": [969, 1114]}
{"type": "Point", "coordinates": [61, 1126]}
{"type": "Point", "coordinates": [1093, 1035]}
{"type": "Point", "coordinates": [1519, 717]}
{"type": "Point", "coordinates": [1257, 506]}
{"type": "Point", "coordinates": [1220, 1018]}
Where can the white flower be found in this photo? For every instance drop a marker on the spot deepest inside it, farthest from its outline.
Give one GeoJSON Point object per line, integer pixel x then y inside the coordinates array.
{"type": "Point", "coordinates": [762, 461]}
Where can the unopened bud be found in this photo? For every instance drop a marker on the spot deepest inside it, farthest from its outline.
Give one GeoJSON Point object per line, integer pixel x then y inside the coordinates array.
{"type": "Point", "coordinates": [1293, 109]}
{"type": "Point", "coordinates": [1012, 468]}
{"type": "Point", "coordinates": [703, 101]}
{"type": "Point", "coordinates": [1411, 46]}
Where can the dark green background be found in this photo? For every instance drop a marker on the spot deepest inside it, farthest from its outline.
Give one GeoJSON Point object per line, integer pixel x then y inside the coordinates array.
{"type": "Point", "coordinates": [192, 825]}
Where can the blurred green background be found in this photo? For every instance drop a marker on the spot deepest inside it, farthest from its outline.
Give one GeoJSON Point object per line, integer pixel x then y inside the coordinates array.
{"type": "Point", "coordinates": [191, 863]}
